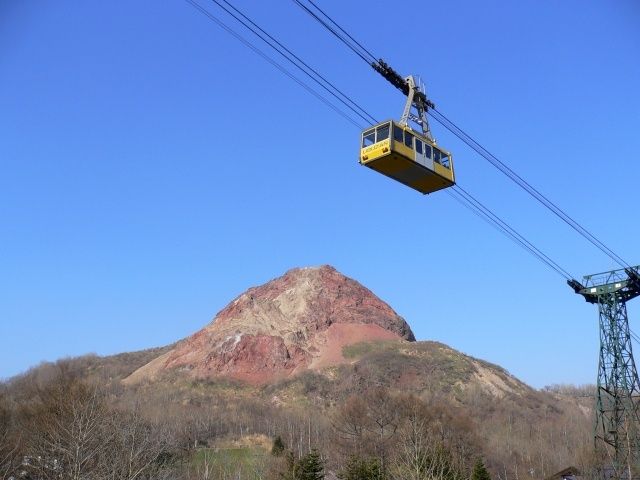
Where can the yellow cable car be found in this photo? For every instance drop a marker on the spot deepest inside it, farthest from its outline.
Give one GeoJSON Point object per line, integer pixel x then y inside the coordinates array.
{"type": "Point", "coordinates": [407, 156]}
{"type": "Point", "coordinates": [402, 153]}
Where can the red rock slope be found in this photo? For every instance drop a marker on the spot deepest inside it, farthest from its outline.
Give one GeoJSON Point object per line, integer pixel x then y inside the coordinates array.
{"type": "Point", "coordinates": [297, 321]}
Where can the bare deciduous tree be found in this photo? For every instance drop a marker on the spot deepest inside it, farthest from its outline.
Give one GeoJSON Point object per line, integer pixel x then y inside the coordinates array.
{"type": "Point", "coordinates": [10, 440]}
{"type": "Point", "coordinates": [71, 438]}
{"type": "Point", "coordinates": [136, 448]}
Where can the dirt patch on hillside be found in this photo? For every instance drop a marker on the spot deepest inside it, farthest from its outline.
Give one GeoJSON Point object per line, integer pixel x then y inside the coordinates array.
{"type": "Point", "coordinates": [339, 335]}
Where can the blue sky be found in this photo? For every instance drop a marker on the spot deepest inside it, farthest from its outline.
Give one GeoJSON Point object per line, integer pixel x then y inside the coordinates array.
{"type": "Point", "coordinates": [153, 168]}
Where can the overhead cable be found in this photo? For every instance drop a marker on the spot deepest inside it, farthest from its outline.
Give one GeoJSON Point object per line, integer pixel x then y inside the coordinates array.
{"type": "Point", "coordinates": [282, 69]}
{"type": "Point", "coordinates": [522, 183]}
{"type": "Point", "coordinates": [364, 49]}
{"type": "Point", "coordinates": [295, 60]}
{"type": "Point", "coordinates": [460, 194]}
{"type": "Point", "coordinates": [335, 33]}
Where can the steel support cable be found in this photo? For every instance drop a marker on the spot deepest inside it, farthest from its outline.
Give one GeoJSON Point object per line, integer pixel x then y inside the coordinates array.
{"type": "Point", "coordinates": [462, 197]}
{"type": "Point", "coordinates": [287, 54]}
{"type": "Point", "coordinates": [482, 151]}
{"type": "Point", "coordinates": [487, 218]}
{"type": "Point", "coordinates": [634, 336]}
{"type": "Point", "coordinates": [511, 232]}
{"type": "Point", "coordinates": [364, 49]}
{"type": "Point", "coordinates": [283, 70]}
{"type": "Point", "coordinates": [333, 31]}
{"type": "Point", "coordinates": [522, 183]}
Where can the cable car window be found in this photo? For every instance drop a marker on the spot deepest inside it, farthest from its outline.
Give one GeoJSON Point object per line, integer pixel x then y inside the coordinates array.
{"type": "Point", "coordinates": [397, 133]}
{"type": "Point", "coordinates": [382, 132]}
{"type": "Point", "coordinates": [419, 146]}
{"type": "Point", "coordinates": [408, 139]}
{"type": "Point", "coordinates": [368, 138]}
{"type": "Point", "coordinates": [436, 155]}
{"type": "Point", "coordinates": [428, 151]}
{"type": "Point", "coordinates": [445, 161]}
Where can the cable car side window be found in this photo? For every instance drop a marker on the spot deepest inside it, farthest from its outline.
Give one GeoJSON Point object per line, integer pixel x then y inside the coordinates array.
{"type": "Point", "coordinates": [444, 161]}
{"type": "Point", "coordinates": [382, 133]}
{"type": "Point", "coordinates": [419, 146]}
{"type": "Point", "coordinates": [397, 133]}
{"type": "Point", "coordinates": [408, 139]}
{"type": "Point", "coordinates": [368, 138]}
{"type": "Point", "coordinates": [436, 155]}
{"type": "Point", "coordinates": [428, 151]}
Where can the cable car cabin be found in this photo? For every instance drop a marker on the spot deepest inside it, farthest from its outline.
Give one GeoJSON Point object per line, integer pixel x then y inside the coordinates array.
{"type": "Point", "coordinates": [406, 156]}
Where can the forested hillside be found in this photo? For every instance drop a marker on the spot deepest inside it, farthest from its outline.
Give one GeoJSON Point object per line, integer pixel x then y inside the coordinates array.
{"type": "Point", "coordinates": [398, 409]}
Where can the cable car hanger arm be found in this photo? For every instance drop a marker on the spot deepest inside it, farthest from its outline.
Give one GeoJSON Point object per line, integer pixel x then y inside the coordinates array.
{"type": "Point", "coordinates": [395, 79]}
{"type": "Point", "coordinates": [415, 97]}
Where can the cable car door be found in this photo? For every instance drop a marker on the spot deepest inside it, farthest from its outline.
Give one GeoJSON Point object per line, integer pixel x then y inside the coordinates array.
{"type": "Point", "coordinates": [424, 154]}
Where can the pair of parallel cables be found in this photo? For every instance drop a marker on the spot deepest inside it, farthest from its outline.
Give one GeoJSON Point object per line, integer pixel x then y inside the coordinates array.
{"type": "Point", "coordinates": [356, 114]}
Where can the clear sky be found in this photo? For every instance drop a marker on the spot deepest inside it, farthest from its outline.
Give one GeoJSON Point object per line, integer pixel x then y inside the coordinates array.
{"type": "Point", "coordinates": [153, 168]}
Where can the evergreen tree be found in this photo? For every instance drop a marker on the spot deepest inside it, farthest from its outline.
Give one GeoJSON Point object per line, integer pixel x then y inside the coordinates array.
{"type": "Point", "coordinates": [358, 468]}
{"type": "Point", "coordinates": [310, 467]}
{"type": "Point", "coordinates": [480, 472]}
{"type": "Point", "coordinates": [278, 447]}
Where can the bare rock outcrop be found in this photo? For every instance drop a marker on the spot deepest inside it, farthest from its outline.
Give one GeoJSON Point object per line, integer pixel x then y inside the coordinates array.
{"type": "Point", "coordinates": [297, 321]}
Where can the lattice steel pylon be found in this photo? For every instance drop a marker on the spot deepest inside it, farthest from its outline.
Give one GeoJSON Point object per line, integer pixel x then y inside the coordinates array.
{"type": "Point", "coordinates": [617, 426]}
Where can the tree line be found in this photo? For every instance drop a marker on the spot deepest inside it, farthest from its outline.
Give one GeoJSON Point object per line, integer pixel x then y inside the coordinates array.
{"type": "Point", "coordinates": [63, 426]}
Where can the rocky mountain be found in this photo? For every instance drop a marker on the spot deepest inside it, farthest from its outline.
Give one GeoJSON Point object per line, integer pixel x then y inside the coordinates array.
{"type": "Point", "coordinates": [299, 321]}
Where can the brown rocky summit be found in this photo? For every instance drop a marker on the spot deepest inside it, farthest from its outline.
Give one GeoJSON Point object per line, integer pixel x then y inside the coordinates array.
{"type": "Point", "coordinates": [298, 321]}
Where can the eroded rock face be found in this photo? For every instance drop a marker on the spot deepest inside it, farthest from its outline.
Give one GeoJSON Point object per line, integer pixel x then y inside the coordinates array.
{"type": "Point", "coordinates": [297, 321]}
